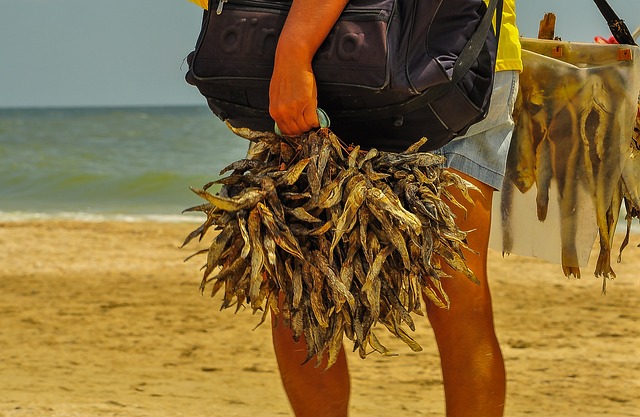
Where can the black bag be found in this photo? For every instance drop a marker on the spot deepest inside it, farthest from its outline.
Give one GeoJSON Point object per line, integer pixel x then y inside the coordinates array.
{"type": "Point", "coordinates": [389, 73]}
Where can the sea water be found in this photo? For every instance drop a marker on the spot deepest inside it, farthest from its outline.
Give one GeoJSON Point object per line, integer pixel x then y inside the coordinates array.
{"type": "Point", "coordinates": [125, 163]}
{"type": "Point", "coordinates": [110, 163]}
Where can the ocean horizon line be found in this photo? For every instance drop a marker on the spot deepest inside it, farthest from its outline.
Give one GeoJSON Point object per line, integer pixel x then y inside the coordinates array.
{"type": "Point", "coordinates": [104, 106]}
{"type": "Point", "coordinates": [90, 217]}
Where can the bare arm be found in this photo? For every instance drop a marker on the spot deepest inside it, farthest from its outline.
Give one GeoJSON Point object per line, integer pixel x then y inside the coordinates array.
{"type": "Point", "coordinates": [292, 94]}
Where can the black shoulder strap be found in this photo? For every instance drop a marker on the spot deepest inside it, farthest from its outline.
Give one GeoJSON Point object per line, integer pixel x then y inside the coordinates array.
{"type": "Point", "coordinates": [618, 28]}
{"type": "Point", "coordinates": [466, 59]}
{"type": "Point", "coordinates": [474, 45]}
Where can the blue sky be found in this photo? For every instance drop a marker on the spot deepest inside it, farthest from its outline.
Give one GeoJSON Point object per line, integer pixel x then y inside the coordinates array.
{"type": "Point", "coordinates": [130, 52]}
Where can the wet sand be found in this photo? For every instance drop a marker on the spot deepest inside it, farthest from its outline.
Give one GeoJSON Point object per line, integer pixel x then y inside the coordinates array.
{"type": "Point", "coordinates": [104, 319]}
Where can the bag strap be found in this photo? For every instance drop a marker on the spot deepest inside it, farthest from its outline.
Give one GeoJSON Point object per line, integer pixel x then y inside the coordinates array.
{"type": "Point", "coordinates": [467, 57]}
{"type": "Point", "coordinates": [618, 28]}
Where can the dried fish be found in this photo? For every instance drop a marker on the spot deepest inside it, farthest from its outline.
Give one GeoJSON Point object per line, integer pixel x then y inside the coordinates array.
{"type": "Point", "coordinates": [301, 214]}
{"type": "Point", "coordinates": [247, 199]}
{"type": "Point", "coordinates": [344, 238]}
{"type": "Point", "coordinates": [571, 121]}
{"type": "Point", "coordinates": [631, 182]}
{"type": "Point", "coordinates": [293, 174]}
{"type": "Point", "coordinates": [348, 218]}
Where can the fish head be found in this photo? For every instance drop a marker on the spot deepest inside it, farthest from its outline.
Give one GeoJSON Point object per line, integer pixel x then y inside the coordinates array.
{"type": "Point", "coordinates": [597, 93]}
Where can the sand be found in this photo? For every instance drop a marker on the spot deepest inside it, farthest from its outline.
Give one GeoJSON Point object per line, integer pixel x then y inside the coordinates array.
{"type": "Point", "coordinates": [104, 319]}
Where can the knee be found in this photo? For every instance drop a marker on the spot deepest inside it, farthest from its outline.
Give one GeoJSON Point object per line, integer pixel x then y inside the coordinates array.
{"type": "Point", "coordinates": [470, 310]}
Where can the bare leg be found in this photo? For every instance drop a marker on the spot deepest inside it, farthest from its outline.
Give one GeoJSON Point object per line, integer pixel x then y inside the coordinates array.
{"type": "Point", "coordinates": [317, 392]}
{"type": "Point", "coordinates": [472, 364]}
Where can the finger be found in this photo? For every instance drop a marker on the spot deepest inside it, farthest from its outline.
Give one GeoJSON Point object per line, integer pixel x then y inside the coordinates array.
{"type": "Point", "coordinates": [304, 122]}
{"type": "Point", "coordinates": [301, 125]}
{"type": "Point", "coordinates": [310, 117]}
{"type": "Point", "coordinates": [287, 129]}
{"type": "Point", "coordinates": [290, 128]}
{"type": "Point", "coordinates": [283, 124]}
{"type": "Point", "coordinates": [296, 126]}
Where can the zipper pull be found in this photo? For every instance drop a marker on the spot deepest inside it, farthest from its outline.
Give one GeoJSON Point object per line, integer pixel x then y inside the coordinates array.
{"type": "Point", "coordinates": [220, 6]}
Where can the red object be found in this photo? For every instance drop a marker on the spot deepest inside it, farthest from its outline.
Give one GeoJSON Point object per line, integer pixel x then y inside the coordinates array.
{"type": "Point", "coordinates": [600, 39]}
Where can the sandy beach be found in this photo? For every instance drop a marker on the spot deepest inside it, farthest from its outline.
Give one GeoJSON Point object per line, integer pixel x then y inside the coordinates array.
{"type": "Point", "coordinates": [105, 319]}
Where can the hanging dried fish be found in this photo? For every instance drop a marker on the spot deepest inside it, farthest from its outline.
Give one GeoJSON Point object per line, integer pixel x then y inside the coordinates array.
{"type": "Point", "coordinates": [630, 184]}
{"type": "Point", "coordinates": [344, 237]}
{"type": "Point", "coordinates": [572, 120]}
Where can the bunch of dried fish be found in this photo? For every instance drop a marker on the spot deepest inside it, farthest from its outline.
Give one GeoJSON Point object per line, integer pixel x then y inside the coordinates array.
{"type": "Point", "coordinates": [334, 238]}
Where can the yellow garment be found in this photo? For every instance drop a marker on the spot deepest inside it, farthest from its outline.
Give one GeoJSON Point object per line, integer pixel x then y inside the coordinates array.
{"type": "Point", "coordinates": [509, 52]}
{"type": "Point", "coordinates": [509, 55]}
{"type": "Point", "coordinates": [202, 3]}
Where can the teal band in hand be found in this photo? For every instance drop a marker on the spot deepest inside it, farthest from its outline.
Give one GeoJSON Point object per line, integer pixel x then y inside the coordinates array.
{"type": "Point", "coordinates": [323, 119]}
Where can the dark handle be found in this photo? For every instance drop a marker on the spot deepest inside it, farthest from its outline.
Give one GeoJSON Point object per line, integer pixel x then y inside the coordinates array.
{"type": "Point", "coordinates": [618, 28]}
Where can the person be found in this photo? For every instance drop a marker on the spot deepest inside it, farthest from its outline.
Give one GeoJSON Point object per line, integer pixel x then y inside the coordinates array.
{"type": "Point", "coordinates": [471, 360]}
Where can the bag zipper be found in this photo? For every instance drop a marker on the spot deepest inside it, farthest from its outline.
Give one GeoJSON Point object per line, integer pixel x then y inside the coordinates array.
{"type": "Point", "coordinates": [285, 6]}
{"type": "Point", "coordinates": [220, 6]}
{"type": "Point", "coordinates": [258, 4]}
